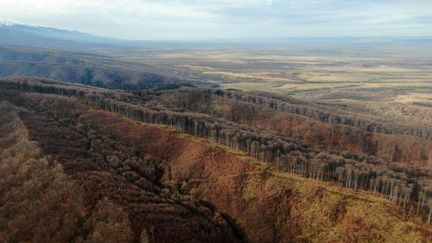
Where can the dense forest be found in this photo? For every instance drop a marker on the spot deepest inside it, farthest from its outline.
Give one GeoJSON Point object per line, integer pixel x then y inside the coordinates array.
{"type": "Point", "coordinates": [405, 185]}
{"type": "Point", "coordinates": [89, 187]}
{"type": "Point", "coordinates": [32, 186]}
{"type": "Point", "coordinates": [392, 146]}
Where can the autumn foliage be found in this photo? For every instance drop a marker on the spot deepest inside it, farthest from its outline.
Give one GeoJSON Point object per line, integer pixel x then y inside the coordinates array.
{"type": "Point", "coordinates": [97, 171]}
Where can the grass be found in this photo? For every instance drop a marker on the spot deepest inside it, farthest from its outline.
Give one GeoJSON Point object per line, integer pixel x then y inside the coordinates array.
{"type": "Point", "coordinates": [329, 213]}
{"type": "Point", "coordinates": [302, 71]}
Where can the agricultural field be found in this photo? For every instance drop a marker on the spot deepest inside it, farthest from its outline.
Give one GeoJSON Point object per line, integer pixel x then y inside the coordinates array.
{"type": "Point", "coordinates": [394, 82]}
{"type": "Point", "coordinates": [320, 75]}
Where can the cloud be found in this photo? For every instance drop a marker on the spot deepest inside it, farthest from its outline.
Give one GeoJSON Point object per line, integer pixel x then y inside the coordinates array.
{"type": "Point", "coordinates": [225, 18]}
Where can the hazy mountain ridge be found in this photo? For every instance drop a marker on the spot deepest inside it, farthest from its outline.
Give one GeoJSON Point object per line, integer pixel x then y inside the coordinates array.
{"type": "Point", "coordinates": [78, 67]}
{"type": "Point", "coordinates": [29, 35]}
{"type": "Point", "coordinates": [13, 33]}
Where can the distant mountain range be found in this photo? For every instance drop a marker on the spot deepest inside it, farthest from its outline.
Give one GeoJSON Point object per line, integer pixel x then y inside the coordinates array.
{"type": "Point", "coordinates": [18, 34]}
{"type": "Point", "coordinates": [12, 33]}
{"type": "Point", "coordinates": [77, 57]}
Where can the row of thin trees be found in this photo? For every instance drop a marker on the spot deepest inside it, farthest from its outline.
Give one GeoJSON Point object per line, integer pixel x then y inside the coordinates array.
{"type": "Point", "coordinates": [327, 114]}
{"type": "Point", "coordinates": [409, 187]}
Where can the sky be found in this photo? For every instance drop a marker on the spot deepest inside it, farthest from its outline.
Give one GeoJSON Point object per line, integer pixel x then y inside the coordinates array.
{"type": "Point", "coordinates": [226, 19]}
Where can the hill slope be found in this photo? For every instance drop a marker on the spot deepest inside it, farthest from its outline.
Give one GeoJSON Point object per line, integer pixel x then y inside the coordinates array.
{"type": "Point", "coordinates": [79, 67]}
{"type": "Point", "coordinates": [168, 186]}
{"type": "Point", "coordinates": [29, 35]}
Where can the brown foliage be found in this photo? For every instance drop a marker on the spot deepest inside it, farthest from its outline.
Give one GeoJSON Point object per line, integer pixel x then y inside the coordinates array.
{"type": "Point", "coordinates": [107, 156]}
{"type": "Point", "coordinates": [37, 203]}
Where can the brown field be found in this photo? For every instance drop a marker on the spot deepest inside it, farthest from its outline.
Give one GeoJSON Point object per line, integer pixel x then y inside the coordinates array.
{"type": "Point", "coordinates": [394, 82]}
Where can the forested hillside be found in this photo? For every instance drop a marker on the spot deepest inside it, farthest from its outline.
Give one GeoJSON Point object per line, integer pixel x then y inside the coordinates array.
{"type": "Point", "coordinates": [190, 165]}
{"type": "Point", "coordinates": [77, 67]}
{"type": "Point", "coordinates": [359, 132]}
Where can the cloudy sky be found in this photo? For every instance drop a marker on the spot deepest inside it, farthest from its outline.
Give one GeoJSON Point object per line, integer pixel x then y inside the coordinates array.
{"type": "Point", "coordinates": [204, 19]}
